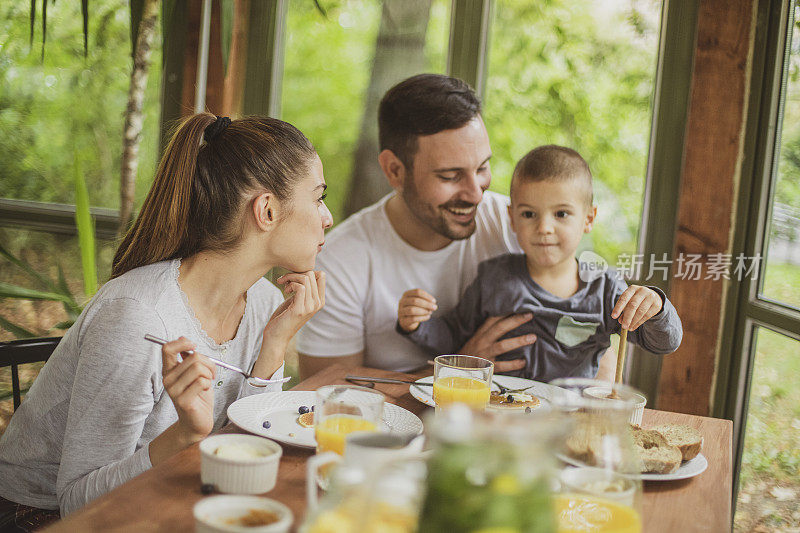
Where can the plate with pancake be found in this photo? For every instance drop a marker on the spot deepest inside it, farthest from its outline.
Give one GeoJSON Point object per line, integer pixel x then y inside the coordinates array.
{"type": "Point", "coordinates": [278, 416]}
{"type": "Point", "coordinates": [531, 394]}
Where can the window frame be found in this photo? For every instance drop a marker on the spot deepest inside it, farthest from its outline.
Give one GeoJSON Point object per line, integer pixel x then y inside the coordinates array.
{"type": "Point", "coordinates": [746, 309]}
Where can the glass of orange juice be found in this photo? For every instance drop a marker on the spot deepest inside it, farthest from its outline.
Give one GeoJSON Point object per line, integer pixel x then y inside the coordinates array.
{"type": "Point", "coordinates": [343, 409]}
{"type": "Point", "coordinates": [462, 379]}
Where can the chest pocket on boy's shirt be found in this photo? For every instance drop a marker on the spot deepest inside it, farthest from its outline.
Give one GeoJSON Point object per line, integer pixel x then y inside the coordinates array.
{"type": "Point", "coordinates": [570, 332]}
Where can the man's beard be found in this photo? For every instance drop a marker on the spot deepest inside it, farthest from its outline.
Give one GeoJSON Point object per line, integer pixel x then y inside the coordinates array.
{"type": "Point", "coordinates": [434, 217]}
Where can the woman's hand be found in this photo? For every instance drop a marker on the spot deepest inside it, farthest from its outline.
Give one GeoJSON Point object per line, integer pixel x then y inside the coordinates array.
{"type": "Point", "coordinates": [636, 306]}
{"type": "Point", "coordinates": [306, 296]}
{"type": "Point", "coordinates": [190, 385]}
{"type": "Point", "coordinates": [415, 306]}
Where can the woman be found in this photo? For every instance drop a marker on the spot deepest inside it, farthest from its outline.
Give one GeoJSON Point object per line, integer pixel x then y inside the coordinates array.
{"type": "Point", "coordinates": [230, 201]}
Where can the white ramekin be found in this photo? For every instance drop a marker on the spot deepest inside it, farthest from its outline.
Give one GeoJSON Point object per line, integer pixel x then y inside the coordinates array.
{"type": "Point", "coordinates": [211, 514]}
{"type": "Point", "coordinates": [603, 392]}
{"type": "Point", "coordinates": [240, 476]}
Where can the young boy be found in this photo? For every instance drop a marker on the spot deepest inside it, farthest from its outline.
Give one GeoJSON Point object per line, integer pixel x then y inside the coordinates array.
{"type": "Point", "coordinates": [551, 208]}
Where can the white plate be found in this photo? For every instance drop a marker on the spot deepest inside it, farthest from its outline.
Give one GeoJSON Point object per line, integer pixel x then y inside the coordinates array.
{"type": "Point", "coordinates": [688, 469]}
{"type": "Point", "coordinates": [281, 410]}
{"type": "Point", "coordinates": [542, 390]}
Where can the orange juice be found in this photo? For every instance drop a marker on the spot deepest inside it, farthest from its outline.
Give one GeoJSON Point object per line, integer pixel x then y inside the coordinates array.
{"type": "Point", "coordinates": [331, 432]}
{"type": "Point", "coordinates": [578, 512]}
{"type": "Point", "coordinates": [453, 389]}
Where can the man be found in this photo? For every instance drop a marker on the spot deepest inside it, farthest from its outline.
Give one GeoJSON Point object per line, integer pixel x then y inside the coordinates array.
{"type": "Point", "coordinates": [430, 233]}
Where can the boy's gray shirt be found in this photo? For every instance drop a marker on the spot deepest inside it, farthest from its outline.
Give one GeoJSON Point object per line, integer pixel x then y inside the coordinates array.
{"type": "Point", "coordinates": [572, 333]}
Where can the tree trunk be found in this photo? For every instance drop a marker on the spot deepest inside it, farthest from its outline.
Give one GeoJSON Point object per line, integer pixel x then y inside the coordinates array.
{"type": "Point", "coordinates": [133, 113]}
{"type": "Point", "coordinates": [399, 53]}
{"type": "Point", "coordinates": [233, 86]}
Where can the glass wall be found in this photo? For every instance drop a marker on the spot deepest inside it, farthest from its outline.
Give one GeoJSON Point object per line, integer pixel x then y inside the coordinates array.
{"type": "Point", "coordinates": [769, 483]}
{"type": "Point", "coordinates": [781, 281]}
{"type": "Point", "coordinates": [579, 74]}
{"type": "Point", "coordinates": [337, 68]}
{"type": "Point", "coordinates": [63, 113]}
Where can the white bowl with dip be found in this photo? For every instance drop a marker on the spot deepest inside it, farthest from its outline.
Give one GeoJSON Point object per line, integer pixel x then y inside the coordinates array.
{"type": "Point", "coordinates": [639, 401]}
{"type": "Point", "coordinates": [239, 464]}
{"type": "Point", "coordinates": [241, 514]}
{"type": "Point", "coordinates": [599, 482]}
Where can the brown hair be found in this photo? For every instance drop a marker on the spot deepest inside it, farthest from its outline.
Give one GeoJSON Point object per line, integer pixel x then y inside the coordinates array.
{"type": "Point", "coordinates": [553, 163]}
{"type": "Point", "coordinates": [198, 194]}
{"type": "Point", "coordinates": [423, 105]}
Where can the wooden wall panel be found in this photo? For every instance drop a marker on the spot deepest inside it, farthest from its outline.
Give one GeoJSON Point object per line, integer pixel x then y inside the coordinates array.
{"type": "Point", "coordinates": [712, 153]}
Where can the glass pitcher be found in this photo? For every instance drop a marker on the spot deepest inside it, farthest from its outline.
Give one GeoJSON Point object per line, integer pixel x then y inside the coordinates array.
{"type": "Point", "coordinates": [491, 472]}
{"type": "Point", "coordinates": [376, 487]}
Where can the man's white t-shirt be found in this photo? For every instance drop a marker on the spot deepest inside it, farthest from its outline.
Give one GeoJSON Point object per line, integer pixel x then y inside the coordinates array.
{"type": "Point", "coordinates": [369, 267]}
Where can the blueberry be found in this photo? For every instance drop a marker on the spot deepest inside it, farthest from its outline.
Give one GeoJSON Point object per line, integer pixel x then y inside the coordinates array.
{"type": "Point", "coordinates": [510, 398]}
{"type": "Point", "coordinates": [303, 410]}
{"type": "Point", "coordinates": [266, 424]}
{"type": "Point", "coordinates": [207, 488]}
{"type": "Point", "coordinates": [527, 409]}
{"type": "Point", "coordinates": [312, 408]}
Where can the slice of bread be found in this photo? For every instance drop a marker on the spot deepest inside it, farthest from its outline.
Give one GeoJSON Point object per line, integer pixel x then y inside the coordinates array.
{"type": "Point", "coordinates": [656, 453]}
{"type": "Point", "coordinates": [686, 438]}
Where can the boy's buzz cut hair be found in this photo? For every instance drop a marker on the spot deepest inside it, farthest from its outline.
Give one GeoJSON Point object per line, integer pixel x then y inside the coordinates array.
{"type": "Point", "coordinates": [553, 163]}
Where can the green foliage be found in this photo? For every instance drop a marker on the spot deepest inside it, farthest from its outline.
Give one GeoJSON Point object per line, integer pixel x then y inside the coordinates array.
{"type": "Point", "coordinates": [57, 290]}
{"type": "Point", "coordinates": [326, 73]}
{"type": "Point", "coordinates": [773, 419]}
{"type": "Point", "coordinates": [85, 225]}
{"type": "Point", "coordinates": [68, 106]}
{"type": "Point", "coordinates": [579, 74]}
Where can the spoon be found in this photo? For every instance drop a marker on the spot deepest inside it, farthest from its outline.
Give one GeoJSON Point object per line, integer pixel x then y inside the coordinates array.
{"type": "Point", "coordinates": [254, 380]}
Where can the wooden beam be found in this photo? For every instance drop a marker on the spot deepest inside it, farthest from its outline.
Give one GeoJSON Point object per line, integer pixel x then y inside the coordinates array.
{"type": "Point", "coordinates": [712, 159]}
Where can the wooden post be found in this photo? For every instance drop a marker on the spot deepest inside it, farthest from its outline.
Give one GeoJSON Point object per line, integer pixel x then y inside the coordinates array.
{"type": "Point", "coordinates": [711, 168]}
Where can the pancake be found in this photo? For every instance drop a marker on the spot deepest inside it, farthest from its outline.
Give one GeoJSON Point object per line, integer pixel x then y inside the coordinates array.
{"type": "Point", "coordinates": [513, 401]}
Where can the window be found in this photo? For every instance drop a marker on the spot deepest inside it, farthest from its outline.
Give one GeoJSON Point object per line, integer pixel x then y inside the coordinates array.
{"type": "Point", "coordinates": [579, 74]}
{"type": "Point", "coordinates": [329, 82]}
{"type": "Point", "coordinates": [47, 130]}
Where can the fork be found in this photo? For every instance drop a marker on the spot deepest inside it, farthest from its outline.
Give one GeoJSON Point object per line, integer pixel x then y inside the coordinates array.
{"type": "Point", "coordinates": [506, 390]}
{"type": "Point", "coordinates": [255, 380]}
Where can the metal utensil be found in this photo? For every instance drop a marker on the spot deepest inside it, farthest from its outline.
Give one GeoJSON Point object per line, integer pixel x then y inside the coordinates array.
{"type": "Point", "coordinates": [255, 380]}
{"type": "Point", "coordinates": [368, 379]}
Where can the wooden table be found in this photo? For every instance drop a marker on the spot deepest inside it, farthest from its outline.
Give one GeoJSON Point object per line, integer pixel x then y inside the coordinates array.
{"type": "Point", "coordinates": [161, 499]}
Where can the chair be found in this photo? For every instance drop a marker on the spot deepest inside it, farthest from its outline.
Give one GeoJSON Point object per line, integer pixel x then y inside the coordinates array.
{"type": "Point", "coordinates": [20, 352]}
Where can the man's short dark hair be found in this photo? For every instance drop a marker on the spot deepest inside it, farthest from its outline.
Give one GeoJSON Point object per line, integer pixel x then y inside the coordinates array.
{"type": "Point", "coordinates": [423, 105]}
{"type": "Point", "coordinates": [553, 163]}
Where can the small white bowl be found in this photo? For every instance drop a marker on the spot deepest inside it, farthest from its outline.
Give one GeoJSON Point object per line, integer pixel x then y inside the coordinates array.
{"type": "Point", "coordinates": [599, 482]}
{"type": "Point", "coordinates": [245, 475]}
{"type": "Point", "coordinates": [217, 514]}
{"type": "Point", "coordinates": [603, 392]}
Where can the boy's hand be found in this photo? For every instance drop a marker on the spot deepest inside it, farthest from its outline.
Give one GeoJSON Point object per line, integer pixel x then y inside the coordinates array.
{"type": "Point", "coordinates": [636, 306]}
{"type": "Point", "coordinates": [415, 306]}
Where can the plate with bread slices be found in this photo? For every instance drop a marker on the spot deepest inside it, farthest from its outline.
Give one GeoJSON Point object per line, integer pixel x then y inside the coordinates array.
{"type": "Point", "coordinates": [667, 452]}
{"type": "Point", "coordinates": [508, 393]}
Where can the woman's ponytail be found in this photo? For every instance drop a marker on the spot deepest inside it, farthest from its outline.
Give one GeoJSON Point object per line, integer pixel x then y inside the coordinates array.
{"type": "Point", "coordinates": [206, 176]}
{"type": "Point", "coordinates": [161, 230]}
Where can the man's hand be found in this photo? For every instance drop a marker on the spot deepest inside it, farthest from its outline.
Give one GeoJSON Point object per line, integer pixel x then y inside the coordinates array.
{"type": "Point", "coordinates": [636, 306]}
{"type": "Point", "coordinates": [485, 342]}
{"type": "Point", "coordinates": [415, 306]}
